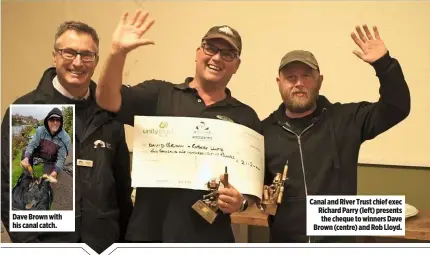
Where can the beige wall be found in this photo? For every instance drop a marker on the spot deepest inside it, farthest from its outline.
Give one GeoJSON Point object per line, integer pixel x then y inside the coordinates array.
{"type": "Point", "coordinates": [412, 182]}
{"type": "Point", "coordinates": [268, 30]}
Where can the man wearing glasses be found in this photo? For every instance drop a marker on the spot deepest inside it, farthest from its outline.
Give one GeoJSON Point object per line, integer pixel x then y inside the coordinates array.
{"type": "Point", "coordinates": [102, 170]}
{"type": "Point", "coordinates": [166, 214]}
{"type": "Point", "coordinates": [51, 143]}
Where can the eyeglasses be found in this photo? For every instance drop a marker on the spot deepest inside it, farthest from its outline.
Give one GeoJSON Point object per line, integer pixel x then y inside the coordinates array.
{"type": "Point", "coordinates": [226, 54]}
{"type": "Point", "coordinates": [54, 120]}
{"type": "Point", "coordinates": [70, 54]}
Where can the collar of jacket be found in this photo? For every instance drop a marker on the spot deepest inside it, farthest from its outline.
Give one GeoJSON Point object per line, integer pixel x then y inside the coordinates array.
{"type": "Point", "coordinates": [323, 110]}
{"type": "Point", "coordinates": [45, 94]}
{"type": "Point", "coordinates": [185, 86]}
{"type": "Point", "coordinates": [45, 90]}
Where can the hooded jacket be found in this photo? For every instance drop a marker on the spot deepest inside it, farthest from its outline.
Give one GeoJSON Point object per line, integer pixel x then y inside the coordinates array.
{"type": "Point", "coordinates": [102, 192]}
{"type": "Point", "coordinates": [53, 147]}
{"type": "Point", "coordinates": [323, 157]}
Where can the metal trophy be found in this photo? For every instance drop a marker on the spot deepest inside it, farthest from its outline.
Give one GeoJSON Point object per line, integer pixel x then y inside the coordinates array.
{"type": "Point", "coordinates": [272, 194]}
{"type": "Point", "coordinates": [208, 206]}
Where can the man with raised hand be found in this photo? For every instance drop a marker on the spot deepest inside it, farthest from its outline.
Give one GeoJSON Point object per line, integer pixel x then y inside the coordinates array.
{"type": "Point", "coordinates": [321, 140]}
{"type": "Point", "coordinates": [166, 214]}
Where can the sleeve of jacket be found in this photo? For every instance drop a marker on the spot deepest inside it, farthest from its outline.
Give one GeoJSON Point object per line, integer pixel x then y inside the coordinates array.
{"type": "Point", "coordinates": [140, 99]}
{"type": "Point", "coordinates": [122, 172]}
{"type": "Point", "coordinates": [34, 142]}
{"type": "Point", "coordinates": [5, 193]}
{"type": "Point", "coordinates": [393, 105]}
{"type": "Point", "coordinates": [62, 153]}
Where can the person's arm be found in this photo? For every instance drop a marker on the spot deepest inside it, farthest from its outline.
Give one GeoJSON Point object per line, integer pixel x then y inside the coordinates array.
{"type": "Point", "coordinates": [127, 36]}
{"type": "Point", "coordinates": [5, 172]}
{"type": "Point", "coordinates": [122, 174]}
{"type": "Point", "coordinates": [62, 152]}
{"type": "Point", "coordinates": [394, 103]}
{"type": "Point", "coordinates": [108, 92]}
{"type": "Point", "coordinates": [34, 142]}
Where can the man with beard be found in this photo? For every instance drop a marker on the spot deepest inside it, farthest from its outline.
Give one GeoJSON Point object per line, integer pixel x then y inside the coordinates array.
{"type": "Point", "coordinates": [320, 140]}
{"type": "Point", "coordinates": [51, 143]}
{"type": "Point", "coordinates": [166, 214]}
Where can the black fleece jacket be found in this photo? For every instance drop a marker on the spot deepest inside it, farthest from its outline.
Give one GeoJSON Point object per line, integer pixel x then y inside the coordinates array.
{"type": "Point", "coordinates": [323, 157]}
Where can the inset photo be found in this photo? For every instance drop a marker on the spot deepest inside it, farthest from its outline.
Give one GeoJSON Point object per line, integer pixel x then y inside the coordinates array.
{"type": "Point", "coordinates": [42, 157]}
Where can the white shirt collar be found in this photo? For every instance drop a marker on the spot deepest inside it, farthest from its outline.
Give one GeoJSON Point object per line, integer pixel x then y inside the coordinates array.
{"type": "Point", "coordinates": [64, 92]}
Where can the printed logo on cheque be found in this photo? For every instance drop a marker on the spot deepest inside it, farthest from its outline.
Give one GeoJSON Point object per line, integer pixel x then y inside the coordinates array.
{"type": "Point", "coordinates": [202, 132]}
{"type": "Point", "coordinates": [161, 130]}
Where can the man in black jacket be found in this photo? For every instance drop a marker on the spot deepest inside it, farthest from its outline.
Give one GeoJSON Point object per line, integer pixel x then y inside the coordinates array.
{"type": "Point", "coordinates": [51, 142]}
{"type": "Point", "coordinates": [103, 182]}
{"type": "Point", "coordinates": [321, 140]}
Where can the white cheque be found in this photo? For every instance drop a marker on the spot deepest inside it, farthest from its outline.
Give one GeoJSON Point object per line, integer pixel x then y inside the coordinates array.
{"type": "Point", "coordinates": [185, 152]}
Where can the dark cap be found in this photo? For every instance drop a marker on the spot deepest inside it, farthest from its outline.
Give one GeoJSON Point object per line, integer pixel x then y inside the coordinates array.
{"type": "Point", "coordinates": [303, 56]}
{"type": "Point", "coordinates": [227, 33]}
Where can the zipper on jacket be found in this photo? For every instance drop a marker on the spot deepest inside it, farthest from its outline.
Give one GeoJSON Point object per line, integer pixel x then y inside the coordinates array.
{"type": "Point", "coordinates": [301, 157]}
{"type": "Point", "coordinates": [301, 151]}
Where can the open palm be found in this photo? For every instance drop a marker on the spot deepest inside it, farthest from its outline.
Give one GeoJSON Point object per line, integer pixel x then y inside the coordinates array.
{"type": "Point", "coordinates": [128, 34]}
{"type": "Point", "coordinates": [372, 48]}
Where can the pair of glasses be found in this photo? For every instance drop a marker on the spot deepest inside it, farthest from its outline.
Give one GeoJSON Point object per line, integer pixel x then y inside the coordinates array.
{"type": "Point", "coordinates": [54, 120]}
{"type": "Point", "coordinates": [71, 54]}
{"type": "Point", "coordinates": [226, 54]}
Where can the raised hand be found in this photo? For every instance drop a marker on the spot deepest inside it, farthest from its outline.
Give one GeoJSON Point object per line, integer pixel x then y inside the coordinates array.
{"type": "Point", "coordinates": [128, 33]}
{"type": "Point", "coordinates": [372, 48]}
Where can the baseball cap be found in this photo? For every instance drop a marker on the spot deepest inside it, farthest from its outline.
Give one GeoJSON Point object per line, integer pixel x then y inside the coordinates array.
{"type": "Point", "coordinates": [54, 116]}
{"type": "Point", "coordinates": [303, 56]}
{"type": "Point", "coordinates": [227, 33]}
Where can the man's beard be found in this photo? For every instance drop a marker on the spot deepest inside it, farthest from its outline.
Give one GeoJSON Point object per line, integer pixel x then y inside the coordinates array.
{"type": "Point", "coordinates": [54, 129]}
{"type": "Point", "coordinates": [295, 105]}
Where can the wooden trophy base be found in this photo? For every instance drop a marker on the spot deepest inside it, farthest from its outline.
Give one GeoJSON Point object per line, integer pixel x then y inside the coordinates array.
{"type": "Point", "coordinates": [270, 208]}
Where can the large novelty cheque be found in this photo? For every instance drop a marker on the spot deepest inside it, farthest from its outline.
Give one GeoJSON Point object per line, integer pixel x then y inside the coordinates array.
{"type": "Point", "coordinates": [186, 152]}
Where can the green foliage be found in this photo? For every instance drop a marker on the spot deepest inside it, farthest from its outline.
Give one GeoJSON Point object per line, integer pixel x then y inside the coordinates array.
{"type": "Point", "coordinates": [20, 141]}
{"type": "Point", "coordinates": [68, 120]}
{"type": "Point", "coordinates": [18, 120]}
{"type": "Point", "coordinates": [27, 130]}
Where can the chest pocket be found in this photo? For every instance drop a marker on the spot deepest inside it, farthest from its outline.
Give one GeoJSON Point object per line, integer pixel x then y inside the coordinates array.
{"type": "Point", "coordinates": [97, 157]}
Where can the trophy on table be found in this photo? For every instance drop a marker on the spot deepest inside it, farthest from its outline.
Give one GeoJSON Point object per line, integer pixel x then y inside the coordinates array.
{"type": "Point", "coordinates": [208, 206]}
{"type": "Point", "coordinates": [272, 194]}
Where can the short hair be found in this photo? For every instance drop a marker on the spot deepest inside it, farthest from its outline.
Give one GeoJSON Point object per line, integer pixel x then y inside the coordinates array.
{"type": "Point", "coordinates": [79, 27]}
